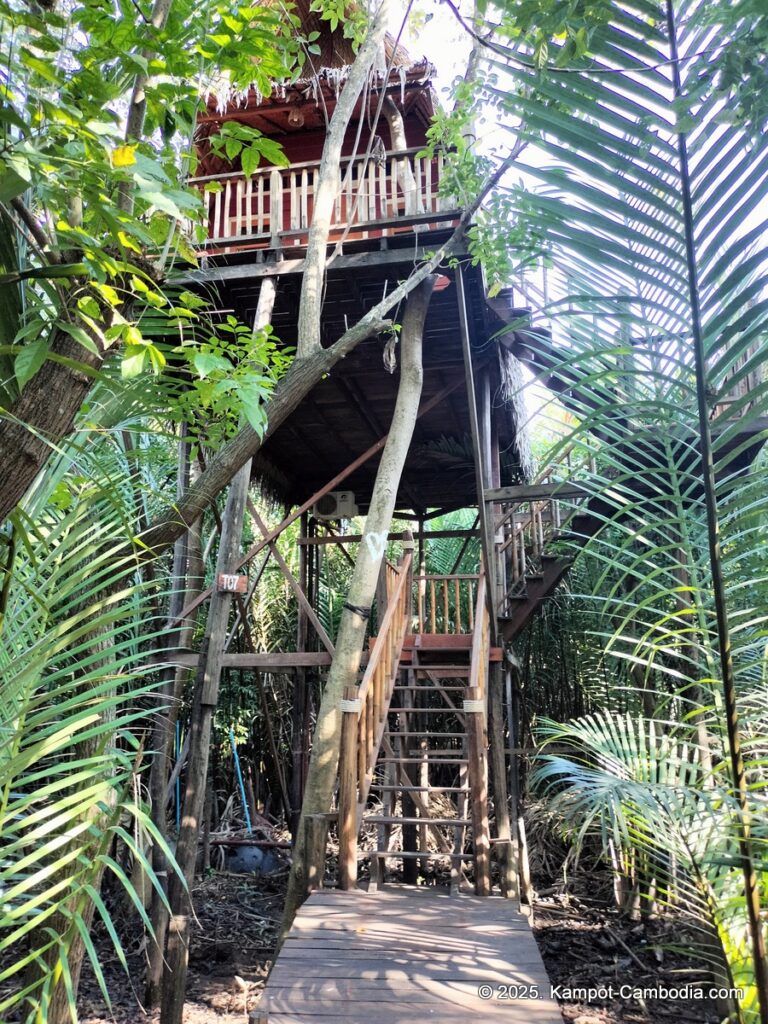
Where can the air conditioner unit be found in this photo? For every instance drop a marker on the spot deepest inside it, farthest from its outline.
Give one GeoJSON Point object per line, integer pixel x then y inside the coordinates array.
{"type": "Point", "coordinates": [335, 505]}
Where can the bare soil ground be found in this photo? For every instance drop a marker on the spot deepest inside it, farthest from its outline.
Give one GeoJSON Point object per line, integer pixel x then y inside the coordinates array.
{"type": "Point", "coordinates": [230, 956]}
{"type": "Point", "coordinates": [587, 944]}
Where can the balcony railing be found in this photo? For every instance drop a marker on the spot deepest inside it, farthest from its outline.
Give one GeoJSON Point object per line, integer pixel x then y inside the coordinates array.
{"type": "Point", "coordinates": [274, 206]}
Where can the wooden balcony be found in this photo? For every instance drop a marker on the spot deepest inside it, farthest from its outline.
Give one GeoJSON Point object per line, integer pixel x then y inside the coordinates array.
{"type": "Point", "coordinates": [273, 208]}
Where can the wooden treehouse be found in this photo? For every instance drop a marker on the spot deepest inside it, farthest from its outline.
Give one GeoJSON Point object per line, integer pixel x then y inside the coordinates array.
{"type": "Point", "coordinates": [427, 725]}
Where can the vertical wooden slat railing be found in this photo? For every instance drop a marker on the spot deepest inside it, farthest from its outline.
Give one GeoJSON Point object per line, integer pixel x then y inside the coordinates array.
{"type": "Point", "coordinates": [476, 715]}
{"type": "Point", "coordinates": [445, 604]}
{"type": "Point", "coordinates": [364, 717]}
{"type": "Point", "coordinates": [527, 526]}
{"type": "Point", "coordinates": [255, 208]}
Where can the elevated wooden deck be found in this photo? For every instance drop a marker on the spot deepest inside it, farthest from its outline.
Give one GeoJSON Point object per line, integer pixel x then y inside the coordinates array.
{"type": "Point", "coordinates": [405, 955]}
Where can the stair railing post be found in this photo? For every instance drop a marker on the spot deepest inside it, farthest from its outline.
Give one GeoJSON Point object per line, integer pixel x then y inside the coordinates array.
{"type": "Point", "coordinates": [275, 207]}
{"type": "Point", "coordinates": [477, 754]}
{"type": "Point", "coordinates": [348, 789]}
{"type": "Point", "coordinates": [408, 548]}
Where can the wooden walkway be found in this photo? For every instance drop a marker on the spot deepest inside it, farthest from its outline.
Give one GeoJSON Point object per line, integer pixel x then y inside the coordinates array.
{"type": "Point", "coordinates": [406, 955]}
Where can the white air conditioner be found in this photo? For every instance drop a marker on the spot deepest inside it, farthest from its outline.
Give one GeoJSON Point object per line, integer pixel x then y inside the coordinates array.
{"type": "Point", "coordinates": [335, 505]}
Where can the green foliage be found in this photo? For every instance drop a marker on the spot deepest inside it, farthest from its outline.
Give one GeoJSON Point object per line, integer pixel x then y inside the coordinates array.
{"type": "Point", "coordinates": [636, 788]}
{"type": "Point", "coordinates": [241, 141]}
{"type": "Point", "coordinates": [74, 688]}
{"type": "Point", "coordinates": [556, 32]}
{"type": "Point", "coordinates": [349, 15]}
{"type": "Point", "coordinates": [236, 369]}
{"type": "Point", "coordinates": [741, 71]}
{"type": "Point", "coordinates": [63, 155]}
{"type": "Point", "coordinates": [603, 154]}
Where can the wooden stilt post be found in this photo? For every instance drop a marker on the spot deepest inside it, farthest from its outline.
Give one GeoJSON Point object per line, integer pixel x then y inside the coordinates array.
{"type": "Point", "coordinates": [478, 788]}
{"type": "Point", "coordinates": [506, 847]}
{"type": "Point", "coordinates": [205, 701]}
{"type": "Point", "coordinates": [206, 698]}
{"type": "Point", "coordinates": [298, 708]}
{"type": "Point", "coordinates": [410, 831]}
{"type": "Point", "coordinates": [348, 790]}
{"type": "Point", "coordinates": [162, 737]}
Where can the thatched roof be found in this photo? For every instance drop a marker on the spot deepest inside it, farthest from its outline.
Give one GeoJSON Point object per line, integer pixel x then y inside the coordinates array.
{"type": "Point", "coordinates": [325, 72]}
{"type": "Point", "coordinates": [336, 50]}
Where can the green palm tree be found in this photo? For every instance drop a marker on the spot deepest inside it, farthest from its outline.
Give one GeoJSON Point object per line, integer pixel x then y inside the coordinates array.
{"type": "Point", "coordinates": [76, 618]}
{"type": "Point", "coordinates": [649, 198]}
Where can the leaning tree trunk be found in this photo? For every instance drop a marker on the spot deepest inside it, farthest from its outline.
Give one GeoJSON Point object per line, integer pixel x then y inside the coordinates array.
{"type": "Point", "coordinates": [323, 766]}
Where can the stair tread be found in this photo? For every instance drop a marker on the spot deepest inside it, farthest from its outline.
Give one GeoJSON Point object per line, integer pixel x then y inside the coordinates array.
{"type": "Point", "coordinates": [362, 854]}
{"type": "Point", "coordinates": [416, 733]}
{"type": "Point", "coordinates": [385, 819]}
{"type": "Point", "coordinates": [430, 689]}
{"type": "Point", "coordinates": [428, 711]}
{"type": "Point", "coordinates": [419, 789]}
{"type": "Point", "coordinates": [426, 666]}
{"type": "Point", "coordinates": [421, 760]}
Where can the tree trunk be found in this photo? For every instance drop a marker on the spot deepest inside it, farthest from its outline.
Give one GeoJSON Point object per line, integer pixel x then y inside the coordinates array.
{"type": "Point", "coordinates": [403, 169]}
{"type": "Point", "coordinates": [323, 766]}
{"type": "Point", "coordinates": [43, 415]}
{"type": "Point", "coordinates": [310, 304]}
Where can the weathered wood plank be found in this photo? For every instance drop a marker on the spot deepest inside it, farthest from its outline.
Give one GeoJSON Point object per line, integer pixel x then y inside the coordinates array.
{"type": "Point", "coordinates": [406, 955]}
{"type": "Point", "coordinates": [385, 257]}
{"type": "Point", "coordinates": [533, 492]}
{"type": "Point", "coordinates": [373, 1011]}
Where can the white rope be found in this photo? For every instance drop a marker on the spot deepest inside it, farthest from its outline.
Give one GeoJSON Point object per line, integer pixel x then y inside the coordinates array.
{"type": "Point", "coordinates": [474, 705]}
{"type": "Point", "coordinates": [350, 705]}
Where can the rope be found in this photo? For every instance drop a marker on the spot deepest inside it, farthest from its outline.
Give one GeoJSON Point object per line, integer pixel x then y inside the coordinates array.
{"type": "Point", "coordinates": [364, 613]}
{"type": "Point", "coordinates": [474, 705]}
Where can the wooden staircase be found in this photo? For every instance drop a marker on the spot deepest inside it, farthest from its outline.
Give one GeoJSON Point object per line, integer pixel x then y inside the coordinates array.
{"type": "Point", "coordinates": [414, 737]}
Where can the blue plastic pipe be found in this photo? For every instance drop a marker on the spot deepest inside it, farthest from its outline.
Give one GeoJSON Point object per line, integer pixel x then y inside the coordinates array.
{"type": "Point", "coordinates": [240, 780]}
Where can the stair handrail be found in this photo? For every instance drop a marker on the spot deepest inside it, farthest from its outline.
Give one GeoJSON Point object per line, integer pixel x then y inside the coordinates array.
{"type": "Point", "coordinates": [364, 711]}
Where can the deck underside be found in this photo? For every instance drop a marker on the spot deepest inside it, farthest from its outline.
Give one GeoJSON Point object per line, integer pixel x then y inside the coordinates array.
{"type": "Point", "coordinates": [405, 955]}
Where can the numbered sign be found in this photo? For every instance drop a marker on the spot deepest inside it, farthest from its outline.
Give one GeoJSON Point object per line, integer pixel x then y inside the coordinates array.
{"type": "Point", "coordinates": [237, 583]}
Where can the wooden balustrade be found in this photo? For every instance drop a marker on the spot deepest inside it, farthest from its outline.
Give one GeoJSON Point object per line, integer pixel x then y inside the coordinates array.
{"type": "Point", "coordinates": [276, 202]}
{"type": "Point", "coordinates": [445, 604]}
{"type": "Point", "coordinates": [364, 716]}
{"type": "Point", "coordinates": [475, 709]}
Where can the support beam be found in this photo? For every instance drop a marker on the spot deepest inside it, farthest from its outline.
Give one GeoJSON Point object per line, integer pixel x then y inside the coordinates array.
{"type": "Point", "coordinates": [355, 261]}
{"type": "Point", "coordinates": [486, 536]}
{"type": "Point", "coordinates": [536, 492]}
{"type": "Point", "coordinates": [421, 535]}
{"type": "Point", "coordinates": [330, 486]}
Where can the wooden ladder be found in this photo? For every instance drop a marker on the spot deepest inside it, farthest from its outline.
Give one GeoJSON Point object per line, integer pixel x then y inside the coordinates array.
{"type": "Point", "coordinates": [432, 746]}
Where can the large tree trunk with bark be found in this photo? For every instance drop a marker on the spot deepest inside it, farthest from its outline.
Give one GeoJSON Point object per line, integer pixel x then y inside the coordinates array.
{"type": "Point", "coordinates": [310, 303]}
{"type": "Point", "coordinates": [43, 415]}
{"type": "Point", "coordinates": [323, 766]}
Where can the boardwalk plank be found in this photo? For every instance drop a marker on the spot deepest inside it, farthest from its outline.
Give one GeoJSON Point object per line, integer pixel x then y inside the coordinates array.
{"type": "Point", "coordinates": [406, 955]}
